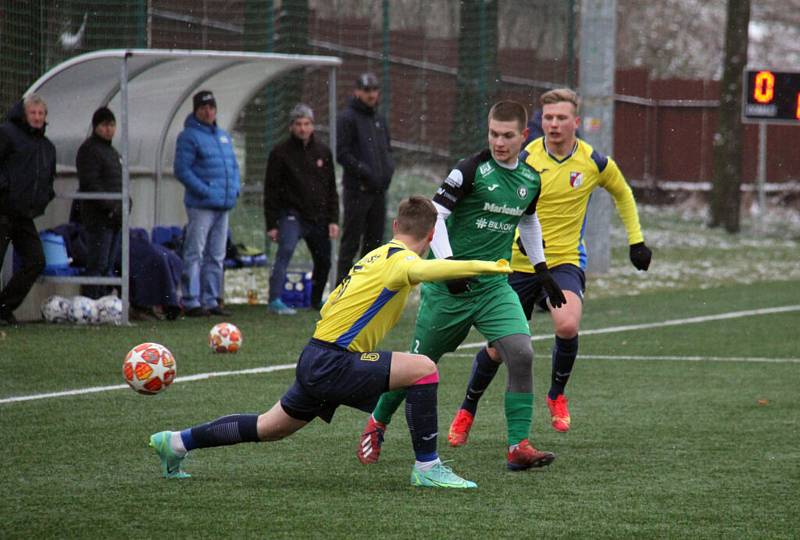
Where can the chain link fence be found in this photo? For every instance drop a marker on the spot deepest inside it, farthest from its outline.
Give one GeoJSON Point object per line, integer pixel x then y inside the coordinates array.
{"type": "Point", "coordinates": [441, 62]}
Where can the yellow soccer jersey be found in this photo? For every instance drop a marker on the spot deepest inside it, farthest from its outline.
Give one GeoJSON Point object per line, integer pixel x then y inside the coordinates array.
{"type": "Point", "coordinates": [563, 200]}
{"type": "Point", "coordinates": [370, 300]}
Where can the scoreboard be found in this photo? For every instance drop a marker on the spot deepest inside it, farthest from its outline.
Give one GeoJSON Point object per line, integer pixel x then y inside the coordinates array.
{"type": "Point", "coordinates": [771, 96]}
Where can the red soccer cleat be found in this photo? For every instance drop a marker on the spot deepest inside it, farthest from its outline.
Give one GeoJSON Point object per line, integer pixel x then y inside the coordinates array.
{"type": "Point", "coordinates": [559, 413]}
{"type": "Point", "coordinates": [459, 429]}
{"type": "Point", "coordinates": [525, 456]}
{"type": "Point", "coordinates": [369, 446]}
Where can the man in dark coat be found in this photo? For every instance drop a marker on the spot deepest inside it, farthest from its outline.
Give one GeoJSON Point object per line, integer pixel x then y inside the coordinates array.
{"type": "Point", "coordinates": [363, 149]}
{"type": "Point", "coordinates": [100, 169]}
{"type": "Point", "coordinates": [300, 201]}
{"type": "Point", "coordinates": [27, 172]}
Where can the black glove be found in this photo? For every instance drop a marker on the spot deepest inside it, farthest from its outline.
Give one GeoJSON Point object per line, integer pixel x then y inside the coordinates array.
{"type": "Point", "coordinates": [458, 285]}
{"type": "Point", "coordinates": [640, 256]}
{"type": "Point", "coordinates": [521, 246]}
{"type": "Point", "coordinates": [550, 286]}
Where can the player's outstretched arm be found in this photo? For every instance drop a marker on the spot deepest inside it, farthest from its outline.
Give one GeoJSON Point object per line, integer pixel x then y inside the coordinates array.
{"type": "Point", "coordinates": [442, 269]}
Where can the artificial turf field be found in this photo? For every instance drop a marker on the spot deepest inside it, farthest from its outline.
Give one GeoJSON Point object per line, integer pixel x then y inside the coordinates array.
{"type": "Point", "coordinates": [689, 429]}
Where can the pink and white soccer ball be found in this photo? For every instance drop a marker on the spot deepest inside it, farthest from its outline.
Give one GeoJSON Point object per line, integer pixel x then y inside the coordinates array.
{"type": "Point", "coordinates": [56, 309]}
{"type": "Point", "coordinates": [149, 368]}
{"type": "Point", "coordinates": [225, 338]}
{"type": "Point", "coordinates": [83, 311]}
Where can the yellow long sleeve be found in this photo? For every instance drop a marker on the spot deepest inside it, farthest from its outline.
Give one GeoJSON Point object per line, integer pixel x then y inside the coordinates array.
{"type": "Point", "coordinates": [441, 269]}
{"type": "Point", "coordinates": [613, 181]}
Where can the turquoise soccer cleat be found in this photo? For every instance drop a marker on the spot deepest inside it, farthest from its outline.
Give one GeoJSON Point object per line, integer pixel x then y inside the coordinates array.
{"type": "Point", "coordinates": [170, 461]}
{"type": "Point", "coordinates": [440, 476]}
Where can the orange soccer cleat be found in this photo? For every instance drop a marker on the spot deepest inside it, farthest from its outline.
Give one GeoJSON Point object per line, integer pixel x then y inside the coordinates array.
{"type": "Point", "coordinates": [369, 445]}
{"type": "Point", "coordinates": [559, 413]}
{"type": "Point", "coordinates": [525, 456]}
{"type": "Point", "coordinates": [459, 429]}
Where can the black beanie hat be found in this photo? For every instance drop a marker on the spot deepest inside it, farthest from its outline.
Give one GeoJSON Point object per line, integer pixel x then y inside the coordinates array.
{"type": "Point", "coordinates": [203, 97]}
{"type": "Point", "coordinates": [103, 114]}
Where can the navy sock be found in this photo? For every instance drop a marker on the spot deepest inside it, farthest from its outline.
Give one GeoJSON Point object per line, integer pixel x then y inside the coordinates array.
{"type": "Point", "coordinates": [564, 353]}
{"type": "Point", "coordinates": [483, 371]}
{"type": "Point", "coordinates": [422, 419]}
{"type": "Point", "coordinates": [232, 429]}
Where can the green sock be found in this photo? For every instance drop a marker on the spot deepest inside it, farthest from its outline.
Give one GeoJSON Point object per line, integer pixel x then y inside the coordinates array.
{"type": "Point", "coordinates": [519, 413]}
{"type": "Point", "coordinates": [388, 403]}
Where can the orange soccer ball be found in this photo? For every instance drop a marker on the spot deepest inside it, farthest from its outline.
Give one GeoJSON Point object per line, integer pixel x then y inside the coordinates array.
{"type": "Point", "coordinates": [149, 368]}
{"type": "Point", "coordinates": [225, 338]}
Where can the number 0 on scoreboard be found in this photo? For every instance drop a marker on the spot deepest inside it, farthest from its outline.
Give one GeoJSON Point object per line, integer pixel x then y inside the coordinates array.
{"type": "Point", "coordinates": [771, 96]}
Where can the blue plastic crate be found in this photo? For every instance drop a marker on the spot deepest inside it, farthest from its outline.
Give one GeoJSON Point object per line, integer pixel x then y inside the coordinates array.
{"type": "Point", "coordinates": [163, 234]}
{"type": "Point", "coordinates": [297, 289]}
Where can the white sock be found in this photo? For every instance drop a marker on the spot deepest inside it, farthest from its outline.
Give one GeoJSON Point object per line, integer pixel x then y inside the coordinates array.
{"type": "Point", "coordinates": [176, 443]}
{"type": "Point", "coordinates": [426, 465]}
{"type": "Point", "coordinates": [513, 447]}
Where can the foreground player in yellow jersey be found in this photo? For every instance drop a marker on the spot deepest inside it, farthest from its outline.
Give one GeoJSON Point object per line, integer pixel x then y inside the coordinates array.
{"type": "Point", "coordinates": [341, 366]}
{"type": "Point", "coordinates": [570, 170]}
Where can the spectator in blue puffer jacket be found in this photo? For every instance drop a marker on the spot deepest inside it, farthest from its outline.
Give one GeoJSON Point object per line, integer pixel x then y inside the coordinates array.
{"type": "Point", "coordinates": [206, 166]}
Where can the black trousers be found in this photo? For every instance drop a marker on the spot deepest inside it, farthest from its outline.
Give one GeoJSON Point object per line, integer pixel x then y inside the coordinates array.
{"type": "Point", "coordinates": [104, 249]}
{"type": "Point", "coordinates": [290, 229]}
{"type": "Point", "coordinates": [23, 234]}
{"type": "Point", "coordinates": [364, 217]}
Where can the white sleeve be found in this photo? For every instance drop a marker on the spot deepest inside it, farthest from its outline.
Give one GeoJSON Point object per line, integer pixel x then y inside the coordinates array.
{"type": "Point", "coordinates": [441, 240]}
{"type": "Point", "coordinates": [530, 232]}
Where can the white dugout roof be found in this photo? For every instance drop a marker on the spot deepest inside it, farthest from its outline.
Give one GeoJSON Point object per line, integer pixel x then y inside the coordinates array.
{"type": "Point", "coordinates": [150, 92]}
{"type": "Point", "coordinates": [159, 86]}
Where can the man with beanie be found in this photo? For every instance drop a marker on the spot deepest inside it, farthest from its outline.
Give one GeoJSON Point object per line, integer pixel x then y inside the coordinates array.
{"type": "Point", "coordinates": [364, 151]}
{"type": "Point", "coordinates": [206, 165]}
{"type": "Point", "coordinates": [27, 171]}
{"type": "Point", "coordinates": [300, 201]}
{"type": "Point", "coordinates": [99, 168]}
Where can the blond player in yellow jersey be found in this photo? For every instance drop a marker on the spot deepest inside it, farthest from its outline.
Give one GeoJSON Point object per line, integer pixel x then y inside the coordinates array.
{"type": "Point", "coordinates": [570, 170]}
{"type": "Point", "coordinates": [341, 365]}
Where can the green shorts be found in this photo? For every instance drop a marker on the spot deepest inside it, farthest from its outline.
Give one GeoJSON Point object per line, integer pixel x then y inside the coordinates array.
{"type": "Point", "coordinates": [444, 320]}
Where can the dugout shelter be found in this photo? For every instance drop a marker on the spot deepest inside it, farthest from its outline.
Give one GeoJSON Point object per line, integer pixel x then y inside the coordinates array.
{"type": "Point", "coordinates": [150, 92]}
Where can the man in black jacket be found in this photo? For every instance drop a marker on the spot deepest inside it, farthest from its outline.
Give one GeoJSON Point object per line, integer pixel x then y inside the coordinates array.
{"type": "Point", "coordinates": [300, 201]}
{"type": "Point", "coordinates": [363, 149]}
{"type": "Point", "coordinates": [27, 171]}
{"type": "Point", "coordinates": [100, 169]}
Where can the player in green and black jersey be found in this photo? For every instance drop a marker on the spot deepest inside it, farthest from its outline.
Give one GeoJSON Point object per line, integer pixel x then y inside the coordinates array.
{"type": "Point", "coordinates": [480, 204]}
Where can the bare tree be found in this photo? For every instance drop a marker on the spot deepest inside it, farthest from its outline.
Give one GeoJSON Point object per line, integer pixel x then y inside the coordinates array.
{"type": "Point", "coordinates": [727, 180]}
{"type": "Point", "coordinates": [684, 39]}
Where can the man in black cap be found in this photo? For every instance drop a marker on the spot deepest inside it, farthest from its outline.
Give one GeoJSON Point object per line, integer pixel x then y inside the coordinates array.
{"type": "Point", "coordinates": [99, 168]}
{"type": "Point", "coordinates": [206, 165]}
{"type": "Point", "coordinates": [27, 171]}
{"type": "Point", "coordinates": [364, 151]}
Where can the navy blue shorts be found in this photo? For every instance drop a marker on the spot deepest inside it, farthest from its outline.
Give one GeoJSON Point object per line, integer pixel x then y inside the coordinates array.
{"type": "Point", "coordinates": [328, 376]}
{"type": "Point", "coordinates": [529, 289]}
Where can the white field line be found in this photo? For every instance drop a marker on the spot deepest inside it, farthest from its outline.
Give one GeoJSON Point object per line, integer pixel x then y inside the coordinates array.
{"type": "Point", "coordinates": [182, 379]}
{"type": "Point", "coordinates": [626, 328]}
{"type": "Point", "coordinates": [673, 322]}
{"type": "Point", "coordinates": [745, 359]}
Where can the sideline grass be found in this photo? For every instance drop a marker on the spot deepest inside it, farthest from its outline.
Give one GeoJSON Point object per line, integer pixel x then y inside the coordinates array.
{"type": "Point", "coordinates": [658, 449]}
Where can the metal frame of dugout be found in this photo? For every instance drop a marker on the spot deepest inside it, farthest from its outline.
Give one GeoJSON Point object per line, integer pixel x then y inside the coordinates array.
{"type": "Point", "coordinates": [151, 90]}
